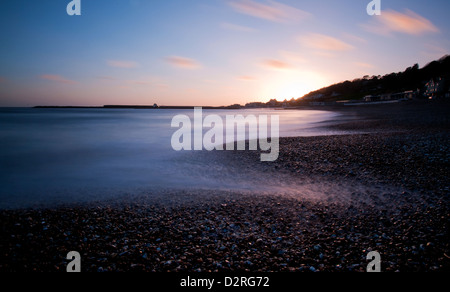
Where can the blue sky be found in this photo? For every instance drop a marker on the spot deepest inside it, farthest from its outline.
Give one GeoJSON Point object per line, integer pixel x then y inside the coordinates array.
{"type": "Point", "coordinates": [206, 52]}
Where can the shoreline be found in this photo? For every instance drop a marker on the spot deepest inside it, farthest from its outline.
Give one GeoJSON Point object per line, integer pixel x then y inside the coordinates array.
{"type": "Point", "coordinates": [343, 107]}
{"type": "Point", "coordinates": [401, 211]}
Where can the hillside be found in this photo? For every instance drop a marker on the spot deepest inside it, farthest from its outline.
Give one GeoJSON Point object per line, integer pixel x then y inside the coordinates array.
{"type": "Point", "coordinates": [412, 79]}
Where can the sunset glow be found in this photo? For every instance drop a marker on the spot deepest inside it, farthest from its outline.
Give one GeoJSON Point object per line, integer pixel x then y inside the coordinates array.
{"type": "Point", "coordinates": [198, 52]}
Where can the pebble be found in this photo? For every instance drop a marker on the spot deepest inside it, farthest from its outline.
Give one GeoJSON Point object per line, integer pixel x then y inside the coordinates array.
{"type": "Point", "coordinates": [240, 231]}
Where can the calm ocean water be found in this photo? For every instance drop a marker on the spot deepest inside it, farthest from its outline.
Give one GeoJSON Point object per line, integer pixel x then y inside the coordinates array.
{"type": "Point", "coordinates": [68, 155]}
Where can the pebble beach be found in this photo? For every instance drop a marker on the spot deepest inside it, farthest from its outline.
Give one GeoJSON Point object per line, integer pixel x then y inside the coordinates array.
{"type": "Point", "coordinates": [387, 190]}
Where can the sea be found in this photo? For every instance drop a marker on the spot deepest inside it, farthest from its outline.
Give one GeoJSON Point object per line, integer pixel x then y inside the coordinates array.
{"type": "Point", "coordinates": [59, 156]}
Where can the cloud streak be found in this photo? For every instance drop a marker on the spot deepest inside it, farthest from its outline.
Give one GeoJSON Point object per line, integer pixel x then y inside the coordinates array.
{"type": "Point", "coordinates": [276, 64]}
{"type": "Point", "coordinates": [57, 78]}
{"type": "Point", "coordinates": [409, 22]}
{"type": "Point", "coordinates": [183, 63]}
{"type": "Point", "coordinates": [324, 43]}
{"type": "Point", "coordinates": [272, 11]}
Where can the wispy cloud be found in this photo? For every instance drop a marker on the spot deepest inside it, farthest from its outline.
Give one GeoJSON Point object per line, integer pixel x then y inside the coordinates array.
{"type": "Point", "coordinates": [182, 62]}
{"type": "Point", "coordinates": [122, 64]}
{"type": "Point", "coordinates": [324, 43]}
{"type": "Point", "coordinates": [354, 38]}
{"type": "Point", "coordinates": [276, 64]}
{"type": "Point", "coordinates": [391, 21]}
{"type": "Point", "coordinates": [57, 78]}
{"type": "Point", "coordinates": [272, 10]}
{"type": "Point", "coordinates": [235, 27]}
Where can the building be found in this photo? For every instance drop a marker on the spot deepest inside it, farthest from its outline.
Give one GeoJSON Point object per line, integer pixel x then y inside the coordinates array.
{"type": "Point", "coordinates": [435, 88]}
{"type": "Point", "coordinates": [411, 94]}
{"type": "Point", "coordinates": [369, 98]}
{"type": "Point", "coordinates": [387, 96]}
{"type": "Point", "coordinates": [405, 95]}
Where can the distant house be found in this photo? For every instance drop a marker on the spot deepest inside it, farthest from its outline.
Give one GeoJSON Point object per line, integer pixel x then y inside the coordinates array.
{"type": "Point", "coordinates": [387, 96]}
{"type": "Point", "coordinates": [435, 88]}
{"type": "Point", "coordinates": [405, 95]}
{"type": "Point", "coordinates": [369, 98]}
{"type": "Point", "coordinates": [411, 94]}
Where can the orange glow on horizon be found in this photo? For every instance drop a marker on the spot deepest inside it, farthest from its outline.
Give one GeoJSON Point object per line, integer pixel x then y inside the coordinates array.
{"type": "Point", "coordinates": [292, 85]}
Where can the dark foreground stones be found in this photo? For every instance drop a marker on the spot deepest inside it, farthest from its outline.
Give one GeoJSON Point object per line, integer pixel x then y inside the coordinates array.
{"type": "Point", "coordinates": [403, 213]}
{"type": "Point", "coordinates": [231, 232]}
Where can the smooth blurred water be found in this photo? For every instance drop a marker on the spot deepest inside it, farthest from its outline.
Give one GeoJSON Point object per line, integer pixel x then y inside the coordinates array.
{"type": "Point", "coordinates": [67, 155]}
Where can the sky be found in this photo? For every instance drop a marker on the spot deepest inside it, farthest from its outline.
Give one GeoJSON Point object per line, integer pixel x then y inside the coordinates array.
{"type": "Point", "coordinates": [206, 52]}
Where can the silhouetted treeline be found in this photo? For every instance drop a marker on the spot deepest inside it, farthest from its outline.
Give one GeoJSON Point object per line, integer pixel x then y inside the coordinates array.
{"type": "Point", "coordinates": [413, 78]}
